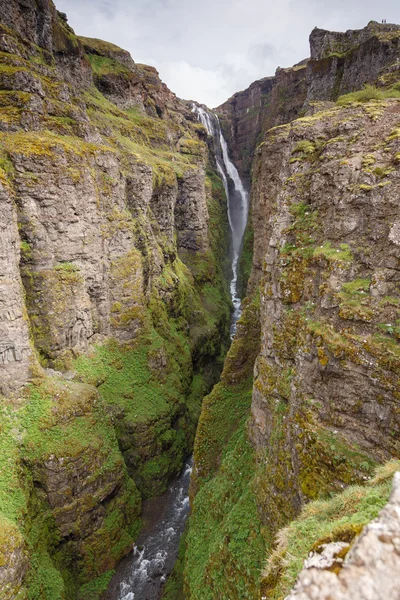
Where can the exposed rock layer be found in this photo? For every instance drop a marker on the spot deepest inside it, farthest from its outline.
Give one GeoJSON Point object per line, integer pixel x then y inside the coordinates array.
{"type": "Point", "coordinates": [325, 397]}
{"type": "Point", "coordinates": [339, 63]}
{"type": "Point", "coordinates": [114, 306]}
{"type": "Point", "coordinates": [371, 568]}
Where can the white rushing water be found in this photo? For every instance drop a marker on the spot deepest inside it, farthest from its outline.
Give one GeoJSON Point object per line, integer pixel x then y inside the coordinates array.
{"type": "Point", "coordinates": [238, 201]}
{"type": "Point", "coordinates": [143, 576]}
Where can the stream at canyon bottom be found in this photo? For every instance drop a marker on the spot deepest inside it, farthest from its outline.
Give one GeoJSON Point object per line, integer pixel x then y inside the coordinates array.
{"type": "Point", "coordinates": [142, 574]}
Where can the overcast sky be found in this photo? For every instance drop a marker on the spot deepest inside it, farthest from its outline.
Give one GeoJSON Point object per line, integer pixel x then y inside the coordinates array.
{"type": "Point", "coordinates": [206, 50]}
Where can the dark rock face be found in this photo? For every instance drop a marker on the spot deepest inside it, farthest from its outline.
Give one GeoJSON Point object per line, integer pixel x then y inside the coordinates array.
{"type": "Point", "coordinates": [242, 119]}
{"type": "Point", "coordinates": [265, 104]}
{"type": "Point", "coordinates": [343, 62]}
{"type": "Point", "coordinates": [32, 20]}
{"type": "Point", "coordinates": [43, 31]}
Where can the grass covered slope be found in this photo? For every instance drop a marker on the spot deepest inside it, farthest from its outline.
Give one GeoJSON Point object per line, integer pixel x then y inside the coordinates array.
{"type": "Point", "coordinates": [225, 542]}
{"type": "Point", "coordinates": [338, 519]}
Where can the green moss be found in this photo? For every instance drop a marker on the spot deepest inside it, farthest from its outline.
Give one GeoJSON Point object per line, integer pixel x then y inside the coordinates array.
{"type": "Point", "coordinates": [100, 46]}
{"type": "Point", "coordinates": [6, 169]}
{"type": "Point", "coordinates": [343, 253]}
{"type": "Point", "coordinates": [14, 488]}
{"type": "Point", "coordinates": [338, 519]}
{"type": "Point", "coordinates": [173, 589]}
{"type": "Point", "coordinates": [246, 259]}
{"type": "Point", "coordinates": [26, 251]}
{"type": "Point", "coordinates": [47, 144]}
{"type": "Point", "coordinates": [44, 581]}
{"type": "Point", "coordinates": [368, 93]}
{"type": "Point", "coordinates": [304, 147]}
{"type": "Point", "coordinates": [95, 589]}
{"type": "Point", "coordinates": [66, 267]}
{"type": "Point", "coordinates": [103, 65]}
{"type": "Point", "coordinates": [355, 302]}
{"type": "Point", "coordinates": [225, 543]}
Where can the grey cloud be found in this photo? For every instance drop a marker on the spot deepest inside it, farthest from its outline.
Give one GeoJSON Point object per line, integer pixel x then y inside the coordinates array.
{"type": "Point", "coordinates": [208, 50]}
{"type": "Point", "coordinates": [261, 52]}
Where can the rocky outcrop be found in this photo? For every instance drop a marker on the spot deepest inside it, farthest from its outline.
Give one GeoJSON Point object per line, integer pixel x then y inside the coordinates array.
{"type": "Point", "coordinates": [339, 63]}
{"type": "Point", "coordinates": [326, 373]}
{"type": "Point", "coordinates": [344, 62]}
{"type": "Point", "coordinates": [36, 29]}
{"type": "Point", "coordinates": [242, 118]}
{"type": "Point", "coordinates": [371, 566]}
{"type": "Point", "coordinates": [131, 85]}
{"type": "Point", "coordinates": [15, 349]}
{"type": "Point", "coordinates": [265, 104]}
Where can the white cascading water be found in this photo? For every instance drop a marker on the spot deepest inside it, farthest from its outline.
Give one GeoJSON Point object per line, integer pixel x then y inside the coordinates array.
{"type": "Point", "coordinates": [238, 201]}
{"type": "Point", "coordinates": [143, 575]}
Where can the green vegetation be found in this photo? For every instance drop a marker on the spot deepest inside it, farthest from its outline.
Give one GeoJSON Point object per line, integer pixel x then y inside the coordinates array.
{"type": "Point", "coordinates": [103, 65]}
{"type": "Point", "coordinates": [327, 251]}
{"type": "Point", "coordinates": [369, 93]}
{"type": "Point", "coordinates": [225, 543]}
{"type": "Point", "coordinates": [26, 251]}
{"type": "Point", "coordinates": [323, 521]}
{"type": "Point", "coordinates": [173, 589]}
{"type": "Point", "coordinates": [246, 259]}
{"type": "Point", "coordinates": [355, 302]}
{"type": "Point", "coordinates": [132, 432]}
{"type": "Point", "coordinates": [102, 47]}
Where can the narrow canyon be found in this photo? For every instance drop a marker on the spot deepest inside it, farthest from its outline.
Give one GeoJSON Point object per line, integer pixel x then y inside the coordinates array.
{"type": "Point", "coordinates": [199, 324]}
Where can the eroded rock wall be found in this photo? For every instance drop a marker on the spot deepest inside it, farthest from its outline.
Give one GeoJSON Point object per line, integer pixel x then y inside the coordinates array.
{"type": "Point", "coordinates": [114, 305]}
{"type": "Point", "coordinates": [326, 377]}
{"type": "Point", "coordinates": [324, 290]}
{"type": "Point", "coordinates": [265, 104]}
{"type": "Point", "coordinates": [339, 63]}
{"type": "Point", "coordinates": [343, 62]}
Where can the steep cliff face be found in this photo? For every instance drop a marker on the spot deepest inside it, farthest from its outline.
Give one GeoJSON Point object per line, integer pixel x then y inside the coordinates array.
{"type": "Point", "coordinates": [266, 103]}
{"type": "Point", "coordinates": [326, 376]}
{"type": "Point", "coordinates": [114, 304]}
{"type": "Point", "coordinates": [343, 62]}
{"type": "Point", "coordinates": [339, 63]}
{"type": "Point", "coordinates": [324, 292]}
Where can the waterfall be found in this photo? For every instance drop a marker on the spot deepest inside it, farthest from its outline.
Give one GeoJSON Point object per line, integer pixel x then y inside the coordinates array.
{"type": "Point", "coordinates": [238, 202]}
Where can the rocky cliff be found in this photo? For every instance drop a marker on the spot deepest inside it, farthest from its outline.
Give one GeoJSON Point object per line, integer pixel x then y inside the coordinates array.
{"type": "Point", "coordinates": [113, 298]}
{"type": "Point", "coordinates": [339, 63]}
{"type": "Point", "coordinates": [278, 443]}
{"type": "Point", "coordinates": [115, 316]}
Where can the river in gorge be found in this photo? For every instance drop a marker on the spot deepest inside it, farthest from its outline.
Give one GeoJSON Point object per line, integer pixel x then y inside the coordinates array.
{"type": "Point", "coordinates": [142, 574]}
